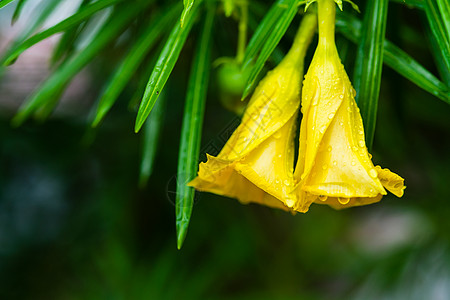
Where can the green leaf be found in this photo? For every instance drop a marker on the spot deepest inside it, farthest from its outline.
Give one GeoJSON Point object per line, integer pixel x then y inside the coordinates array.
{"type": "Point", "coordinates": [444, 9]}
{"type": "Point", "coordinates": [439, 28]}
{"type": "Point", "coordinates": [192, 128]}
{"type": "Point", "coordinates": [17, 11]}
{"type": "Point", "coordinates": [413, 3]}
{"type": "Point", "coordinates": [132, 61]}
{"type": "Point", "coordinates": [409, 68]}
{"type": "Point", "coordinates": [152, 130]}
{"type": "Point", "coordinates": [65, 44]}
{"type": "Point", "coordinates": [276, 33]}
{"type": "Point", "coordinates": [262, 32]}
{"type": "Point", "coordinates": [3, 3]}
{"type": "Point", "coordinates": [187, 9]}
{"type": "Point", "coordinates": [443, 70]}
{"type": "Point", "coordinates": [369, 63]}
{"type": "Point", "coordinates": [397, 59]}
{"type": "Point", "coordinates": [58, 81]}
{"type": "Point", "coordinates": [164, 66]}
{"type": "Point", "coordinates": [63, 25]}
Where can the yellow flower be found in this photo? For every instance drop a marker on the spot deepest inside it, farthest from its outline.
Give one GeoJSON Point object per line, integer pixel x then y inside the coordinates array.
{"type": "Point", "coordinates": [334, 166]}
{"type": "Point", "coordinates": [256, 164]}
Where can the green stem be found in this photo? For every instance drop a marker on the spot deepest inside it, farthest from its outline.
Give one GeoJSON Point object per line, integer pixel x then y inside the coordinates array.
{"type": "Point", "coordinates": [327, 15]}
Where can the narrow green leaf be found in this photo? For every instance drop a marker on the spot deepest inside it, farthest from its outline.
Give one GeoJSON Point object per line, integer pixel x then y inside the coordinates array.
{"type": "Point", "coordinates": [276, 33]}
{"type": "Point", "coordinates": [397, 59]}
{"type": "Point", "coordinates": [3, 3]}
{"type": "Point", "coordinates": [412, 3]}
{"type": "Point", "coordinates": [262, 32]}
{"type": "Point", "coordinates": [192, 128]}
{"type": "Point", "coordinates": [152, 130]}
{"type": "Point", "coordinates": [63, 25]}
{"type": "Point", "coordinates": [187, 9]}
{"type": "Point", "coordinates": [444, 9]}
{"type": "Point", "coordinates": [65, 45]}
{"type": "Point", "coordinates": [439, 29]}
{"type": "Point", "coordinates": [58, 81]}
{"type": "Point", "coordinates": [17, 11]}
{"type": "Point", "coordinates": [369, 63]}
{"type": "Point", "coordinates": [132, 61]}
{"type": "Point", "coordinates": [443, 70]}
{"type": "Point", "coordinates": [164, 66]}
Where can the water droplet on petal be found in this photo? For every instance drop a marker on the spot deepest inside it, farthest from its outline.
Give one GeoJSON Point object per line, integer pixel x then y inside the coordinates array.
{"type": "Point", "coordinates": [280, 156]}
{"type": "Point", "coordinates": [370, 155]}
{"type": "Point", "coordinates": [341, 123]}
{"type": "Point", "coordinates": [353, 163]}
{"type": "Point", "coordinates": [277, 181]}
{"type": "Point", "coordinates": [289, 202]}
{"type": "Point", "coordinates": [373, 173]}
{"type": "Point", "coordinates": [371, 190]}
{"type": "Point", "coordinates": [330, 116]}
{"type": "Point", "coordinates": [361, 143]}
{"type": "Point", "coordinates": [341, 96]}
{"type": "Point", "coordinates": [355, 148]}
{"type": "Point", "coordinates": [343, 201]}
{"type": "Point", "coordinates": [323, 198]}
{"type": "Point", "coordinates": [334, 163]}
{"type": "Point", "coordinates": [329, 149]}
{"type": "Point", "coordinates": [287, 183]}
{"type": "Point", "coordinates": [324, 167]}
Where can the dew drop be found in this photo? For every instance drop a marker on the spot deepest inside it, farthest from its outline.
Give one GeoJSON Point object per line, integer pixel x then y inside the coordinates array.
{"type": "Point", "coordinates": [324, 167]}
{"type": "Point", "coordinates": [353, 92]}
{"type": "Point", "coordinates": [371, 191]}
{"type": "Point", "coordinates": [279, 155]}
{"type": "Point", "coordinates": [287, 183]}
{"type": "Point", "coordinates": [341, 123]}
{"type": "Point", "coordinates": [373, 173]}
{"type": "Point", "coordinates": [361, 132]}
{"type": "Point", "coordinates": [277, 181]}
{"type": "Point", "coordinates": [370, 155]}
{"type": "Point", "coordinates": [334, 163]}
{"type": "Point", "coordinates": [323, 198]}
{"type": "Point", "coordinates": [289, 202]}
{"type": "Point", "coordinates": [343, 201]}
{"type": "Point", "coordinates": [329, 149]}
{"type": "Point", "coordinates": [361, 143]}
{"type": "Point", "coordinates": [355, 148]}
{"type": "Point", "coordinates": [341, 96]}
{"type": "Point", "coordinates": [353, 163]}
{"type": "Point", "coordinates": [322, 129]}
{"type": "Point", "coordinates": [330, 116]}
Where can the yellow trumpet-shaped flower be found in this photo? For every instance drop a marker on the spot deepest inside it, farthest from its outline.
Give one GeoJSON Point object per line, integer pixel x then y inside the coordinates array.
{"type": "Point", "coordinates": [256, 164]}
{"type": "Point", "coordinates": [334, 166]}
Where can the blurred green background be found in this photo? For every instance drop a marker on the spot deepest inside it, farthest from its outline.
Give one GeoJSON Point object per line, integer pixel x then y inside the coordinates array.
{"type": "Point", "coordinates": [75, 225]}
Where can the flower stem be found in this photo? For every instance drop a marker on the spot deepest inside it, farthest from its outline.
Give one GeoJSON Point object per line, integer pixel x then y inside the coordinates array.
{"type": "Point", "coordinates": [302, 39]}
{"type": "Point", "coordinates": [242, 38]}
{"type": "Point", "coordinates": [327, 15]}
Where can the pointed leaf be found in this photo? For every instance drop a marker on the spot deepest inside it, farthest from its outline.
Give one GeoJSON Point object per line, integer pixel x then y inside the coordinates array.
{"type": "Point", "coordinates": [58, 81]}
{"type": "Point", "coordinates": [63, 25]}
{"type": "Point", "coordinates": [192, 128]}
{"type": "Point", "coordinates": [17, 11]}
{"type": "Point", "coordinates": [132, 61]}
{"type": "Point", "coordinates": [164, 66]}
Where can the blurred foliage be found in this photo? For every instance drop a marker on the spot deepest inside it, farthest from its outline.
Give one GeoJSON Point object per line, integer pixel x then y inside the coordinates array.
{"type": "Point", "coordinates": [75, 225]}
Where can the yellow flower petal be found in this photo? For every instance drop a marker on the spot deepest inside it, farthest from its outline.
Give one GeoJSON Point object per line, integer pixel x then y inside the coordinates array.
{"type": "Point", "coordinates": [334, 166]}
{"type": "Point", "coordinates": [256, 164]}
